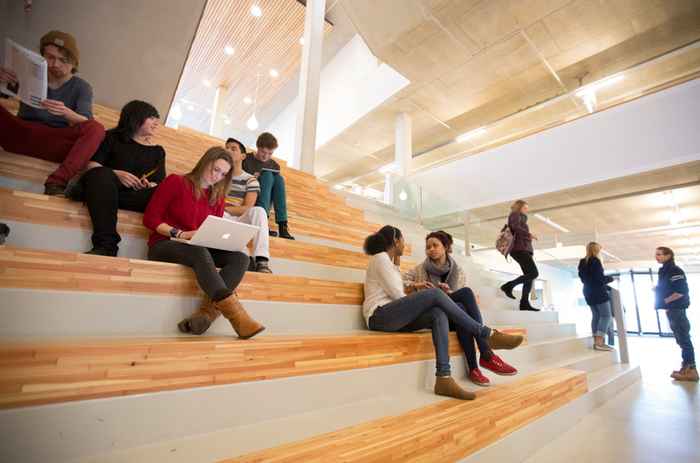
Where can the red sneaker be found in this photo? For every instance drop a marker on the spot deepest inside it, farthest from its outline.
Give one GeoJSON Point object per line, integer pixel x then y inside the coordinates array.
{"type": "Point", "coordinates": [497, 365]}
{"type": "Point", "coordinates": [477, 378]}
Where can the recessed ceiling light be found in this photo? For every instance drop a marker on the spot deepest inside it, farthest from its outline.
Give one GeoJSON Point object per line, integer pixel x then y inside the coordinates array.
{"type": "Point", "coordinates": [469, 135]}
{"type": "Point", "coordinates": [190, 107]}
{"type": "Point", "coordinates": [274, 73]}
{"type": "Point", "coordinates": [248, 100]}
{"type": "Point", "coordinates": [227, 121]}
{"type": "Point", "coordinates": [206, 83]}
{"type": "Point", "coordinates": [301, 40]}
{"type": "Point", "coordinates": [208, 111]}
{"type": "Point", "coordinates": [256, 11]}
{"type": "Point", "coordinates": [403, 196]}
{"type": "Point", "coordinates": [228, 49]}
{"type": "Point", "coordinates": [252, 122]}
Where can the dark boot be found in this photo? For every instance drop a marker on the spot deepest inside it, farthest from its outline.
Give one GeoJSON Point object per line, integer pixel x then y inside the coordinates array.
{"type": "Point", "coordinates": [200, 321]}
{"type": "Point", "coordinates": [508, 290]}
{"type": "Point", "coordinates": [103, 252]}
{"type": "Point", "coordinates": [525, 305]}
{"type": "Point", "coordinates": [54, 189]}
{"type": "Point", "coordinates": [284, 231]}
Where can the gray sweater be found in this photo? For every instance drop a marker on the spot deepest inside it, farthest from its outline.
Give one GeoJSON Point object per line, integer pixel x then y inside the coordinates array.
{"type": "Point", "coordinates": [76, 94]}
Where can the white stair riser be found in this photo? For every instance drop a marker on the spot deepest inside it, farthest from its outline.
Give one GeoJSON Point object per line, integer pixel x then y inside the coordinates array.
{"type": "Point", "coordinates": [28, 235]}
{"type": "Point", "coordinates": [71, 313]}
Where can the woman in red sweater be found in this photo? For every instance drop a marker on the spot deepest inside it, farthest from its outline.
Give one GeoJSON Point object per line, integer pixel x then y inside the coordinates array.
{"type": "Point", "coordinates": [177, 209]}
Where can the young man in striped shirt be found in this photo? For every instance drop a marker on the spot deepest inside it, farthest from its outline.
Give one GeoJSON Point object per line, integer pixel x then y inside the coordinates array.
{"type": "Point", "coordinates": [240, 206]}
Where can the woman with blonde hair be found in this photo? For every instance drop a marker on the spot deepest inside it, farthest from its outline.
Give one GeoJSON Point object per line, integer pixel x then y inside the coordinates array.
{"type": "Point", "coordinates": [177, 209]}
{"type": "Point", "coordinates": [522, 253]}
{"type": "Point", "coordinates": [595, 290]}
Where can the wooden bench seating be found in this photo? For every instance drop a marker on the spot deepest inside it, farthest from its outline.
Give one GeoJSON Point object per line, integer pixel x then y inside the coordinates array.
{"type": "Point", "coordinates": [305, 194]}
{"type": "Point", "coordinates": [70, 271]}
{"type": "Point", "coordinates": [446, 431]}
{"type": "Point", "coordinates": [48, 210]}
{"type": "Point", "coordinates": [33, 373]}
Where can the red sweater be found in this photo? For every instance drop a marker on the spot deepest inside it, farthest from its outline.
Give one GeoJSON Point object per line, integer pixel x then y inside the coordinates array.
{"type": "Point", "coordinates": [174, 203]}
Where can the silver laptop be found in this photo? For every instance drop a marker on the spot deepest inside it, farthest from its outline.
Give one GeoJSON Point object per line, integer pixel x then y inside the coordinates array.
{"type": "Point", "coordinates": [219, 233]}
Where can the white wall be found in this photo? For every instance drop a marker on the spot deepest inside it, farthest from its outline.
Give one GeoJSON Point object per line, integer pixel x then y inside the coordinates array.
{"type": "Point", "coordinates": [656, 131]}
{"type": "Point", "coordinates": [352, 83]}
{"type": "Point", "coordinates": [129, 49]}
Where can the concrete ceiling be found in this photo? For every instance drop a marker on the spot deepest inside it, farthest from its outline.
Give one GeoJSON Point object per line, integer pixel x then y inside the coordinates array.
{"type": "Point", "coordinates": [511, 65]}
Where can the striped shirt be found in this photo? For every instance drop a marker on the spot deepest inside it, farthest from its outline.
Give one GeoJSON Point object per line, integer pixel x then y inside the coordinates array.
{"type": "Point", "coordinates": [240, 186]}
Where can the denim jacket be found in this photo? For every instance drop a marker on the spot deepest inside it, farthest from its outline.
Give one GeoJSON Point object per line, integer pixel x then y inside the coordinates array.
{"type": "Point", "coordinates": [672, 280]}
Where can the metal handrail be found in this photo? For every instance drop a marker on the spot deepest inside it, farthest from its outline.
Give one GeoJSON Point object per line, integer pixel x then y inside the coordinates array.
{"type": "Point", "coordinates": [619, 313]}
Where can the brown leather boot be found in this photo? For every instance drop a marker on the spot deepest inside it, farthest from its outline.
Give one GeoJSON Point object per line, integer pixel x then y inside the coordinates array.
{"type": "Point", "coordinates": [241, 322]}
{"type": "Point", "coordinates": [446, 386]}
{"type": "Point", "coordinates": [686, 374]}
{"type": "Point", "coordinates": [499, 340]}
{"type": "Point", "coordinates": [201, 319]}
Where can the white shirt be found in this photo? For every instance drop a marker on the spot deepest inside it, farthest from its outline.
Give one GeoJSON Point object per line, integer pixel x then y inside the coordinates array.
{"type": "Point", "coordinates": [383, 284]}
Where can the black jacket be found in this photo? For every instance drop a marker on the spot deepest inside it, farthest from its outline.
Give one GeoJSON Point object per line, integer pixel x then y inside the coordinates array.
{"type": "Point", "coordinates": [517, 223]}
{"type": "Point", "coordinates": [672, 280]}
{"type": "Point", "coordinates": [595, 283]}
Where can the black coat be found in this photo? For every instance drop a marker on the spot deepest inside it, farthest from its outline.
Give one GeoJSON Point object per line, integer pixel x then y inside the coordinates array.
{"type": "Point", "coordinates": [517, 223]}
{"type": "Point", "coordinates": [595, 283]}
{"type": "Point", "coordinates": [672, 280]}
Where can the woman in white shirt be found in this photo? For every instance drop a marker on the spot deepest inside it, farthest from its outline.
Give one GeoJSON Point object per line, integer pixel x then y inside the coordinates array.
{"type": "Point", "coordinates": [387, 308]}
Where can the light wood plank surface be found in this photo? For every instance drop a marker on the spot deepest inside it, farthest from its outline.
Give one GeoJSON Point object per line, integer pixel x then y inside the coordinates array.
{"type": "Point", "coordinates": [443, 432]}
{"type": "Point", "coordinates": [39, 269]}
{"type": "Point", "coordinates": [50, 210]}
{"type": "Point", "coordinates": [34, 373]}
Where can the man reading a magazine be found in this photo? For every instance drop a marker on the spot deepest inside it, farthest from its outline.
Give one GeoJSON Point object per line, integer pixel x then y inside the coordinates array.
{"type": "Point", "coordinates": [63, 130]}
{"type": "Point", "coordinates": [272, 190]}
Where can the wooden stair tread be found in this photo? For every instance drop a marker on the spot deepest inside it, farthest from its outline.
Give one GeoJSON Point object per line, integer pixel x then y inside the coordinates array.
{"type": "Point", "coordinates": [71, 271]}
{"type": "Point", "coordinates": [446, 431]}
{"type": "Point", "coordinates": [61, 212]}
{"type": "Point", "coordinates": [33, 373]}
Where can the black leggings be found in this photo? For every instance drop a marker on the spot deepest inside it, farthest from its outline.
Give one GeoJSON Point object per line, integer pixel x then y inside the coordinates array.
{"type": "Point", "coordinates": [217, 284]}
{"type": "Point", "coordinates": [530, 273]}
{"type": "Point", "coordinates": [104, 194]}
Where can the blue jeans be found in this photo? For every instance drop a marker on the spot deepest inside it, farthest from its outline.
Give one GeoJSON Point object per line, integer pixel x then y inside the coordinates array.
{"type": "Point", "coordinates": [680, 325]}
{"type": "Point", "coordinates": [273, 194]}
{"type": "Point", "coordinates": [430, 308]}
{"type": "Point", "coordinates": [602, 317]}
{"type": "Point", "coordinates": [467, 301]}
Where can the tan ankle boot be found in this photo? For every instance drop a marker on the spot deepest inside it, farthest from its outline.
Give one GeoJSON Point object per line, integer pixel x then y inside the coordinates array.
{"type": "Point", "coordinates": [499, 340]}
{"type": "Point", "coordinates": [446, 386]}
{"type": "Point", "coordinates": [686, 374]}
{"type": "Point", "coordinates": [201, 319]}
{"type": "Point", "coordinates": [241, 322]}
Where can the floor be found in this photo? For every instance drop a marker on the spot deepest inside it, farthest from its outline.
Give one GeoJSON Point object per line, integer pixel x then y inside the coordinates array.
{"type": "Point", "coordinates": [655, 420]}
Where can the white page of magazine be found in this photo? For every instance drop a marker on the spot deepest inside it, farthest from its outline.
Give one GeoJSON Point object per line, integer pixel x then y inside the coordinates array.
{"type": "Point", "coordinates": [31, 70]}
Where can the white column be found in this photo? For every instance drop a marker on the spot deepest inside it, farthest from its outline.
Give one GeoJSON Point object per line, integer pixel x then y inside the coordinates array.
{"type": "Point", "coordinates": [309, 85]}
{"type": "Point", "coordinates": [388, 188]}
{"type": "Point", "coordinates": [403, 148]}
{"type": "Point", "coordinates": [215, 123]}
{"type": "Point", "coordinates": [467, 234]}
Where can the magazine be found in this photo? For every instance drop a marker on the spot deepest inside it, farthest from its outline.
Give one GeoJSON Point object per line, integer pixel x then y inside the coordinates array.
{"type": "Point", "coordinates": [31, 71]}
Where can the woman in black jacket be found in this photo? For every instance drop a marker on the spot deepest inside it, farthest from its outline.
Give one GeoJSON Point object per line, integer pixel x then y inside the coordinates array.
{"type": "Point", "coordinates": [595, 290]}
{"type": "Point", "coordinates": [123, 173]}
{"type": "Point", "coordinates": [522, 253]}
{"type": "Point", "coordinates": [673, 295]}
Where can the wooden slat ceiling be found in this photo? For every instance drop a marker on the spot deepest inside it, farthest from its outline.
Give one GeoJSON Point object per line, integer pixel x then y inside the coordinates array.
{"type": "Point", "coordinates": [271, 41]}
{"type": "Point", "coordinates": [473, 63]}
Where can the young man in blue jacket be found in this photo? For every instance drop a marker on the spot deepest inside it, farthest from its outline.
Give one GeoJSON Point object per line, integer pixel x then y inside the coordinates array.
{"type": "Point", "coordinates": [672, 294]}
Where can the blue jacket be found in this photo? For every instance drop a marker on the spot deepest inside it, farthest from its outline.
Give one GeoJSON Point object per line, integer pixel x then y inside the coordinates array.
{"type": "Point", "coordinates": [595, 283]}
{"type": "Point", "coordinates": [672, 280]}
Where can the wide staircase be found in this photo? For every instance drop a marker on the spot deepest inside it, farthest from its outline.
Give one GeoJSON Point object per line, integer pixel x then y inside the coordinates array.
{"type": "Point", "coordinates": [92, 367]}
